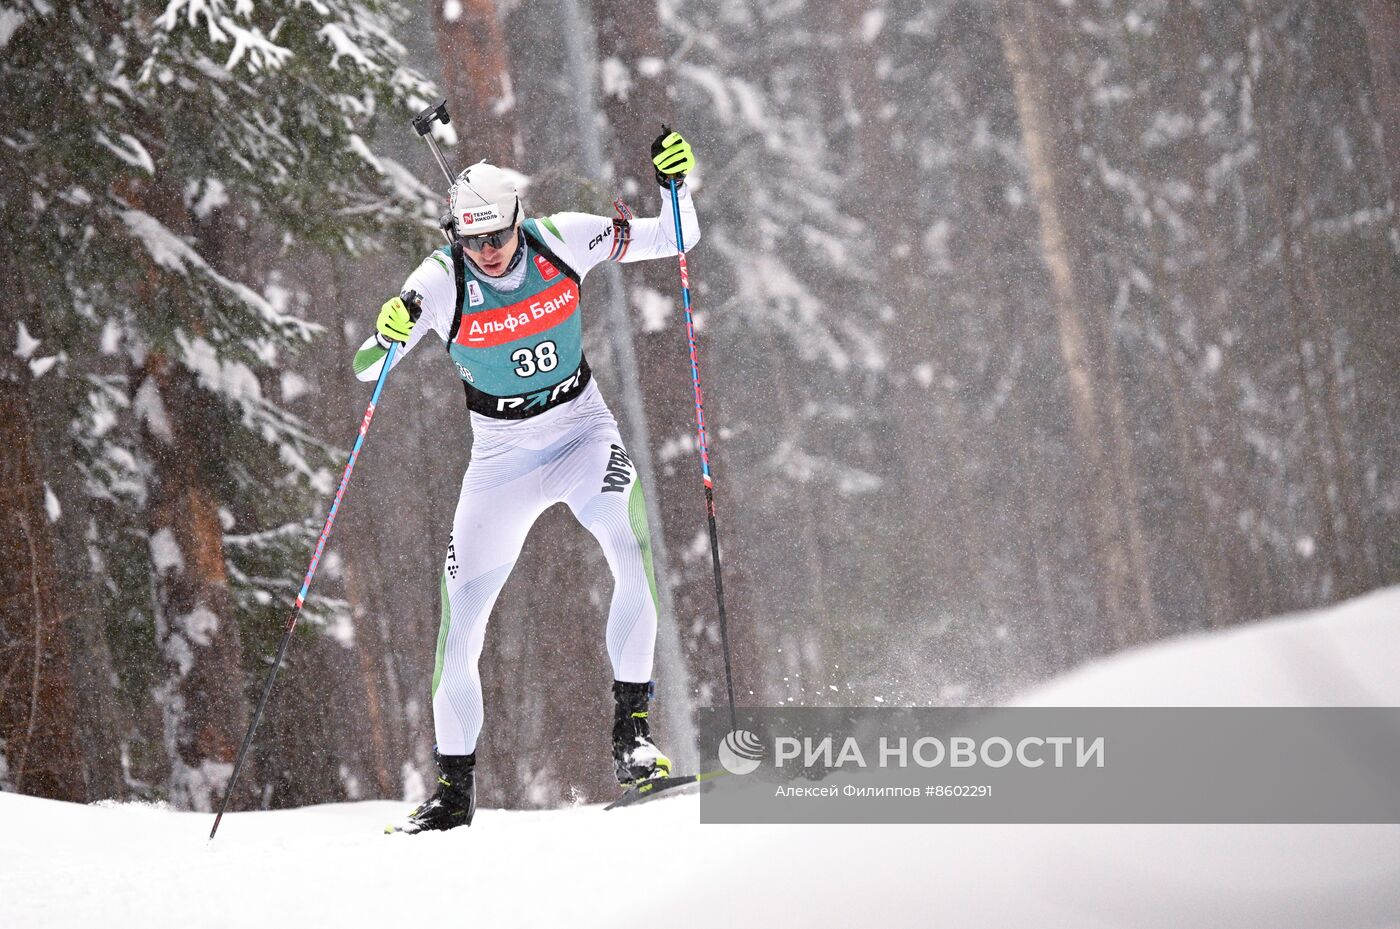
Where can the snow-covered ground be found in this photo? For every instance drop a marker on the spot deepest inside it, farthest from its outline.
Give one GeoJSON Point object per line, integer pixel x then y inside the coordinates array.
{"type": "Point", "coordinates": [64, 865]}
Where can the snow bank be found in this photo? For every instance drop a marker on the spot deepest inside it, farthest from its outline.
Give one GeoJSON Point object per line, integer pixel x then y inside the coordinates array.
{"type": "Point", "coordinates": [1347, 655]}
{"type": "Point", "coordinates": [63, 865]}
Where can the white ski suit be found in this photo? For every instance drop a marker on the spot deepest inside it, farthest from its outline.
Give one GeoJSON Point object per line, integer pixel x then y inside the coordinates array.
{"type": "Point", "coordinates": [542, 434]}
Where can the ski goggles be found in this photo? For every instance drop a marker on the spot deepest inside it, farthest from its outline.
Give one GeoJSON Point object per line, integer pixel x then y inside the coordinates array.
{"type": "Point", "coordinates": [497, 239]}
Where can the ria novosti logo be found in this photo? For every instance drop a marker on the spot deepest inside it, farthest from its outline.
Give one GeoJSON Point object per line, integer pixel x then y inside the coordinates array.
{"type": "Point", "coordinates": [741, 752]}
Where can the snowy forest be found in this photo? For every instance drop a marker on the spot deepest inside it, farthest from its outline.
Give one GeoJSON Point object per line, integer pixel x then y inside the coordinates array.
{"type": "Point", "coordinates": [1030, 331]}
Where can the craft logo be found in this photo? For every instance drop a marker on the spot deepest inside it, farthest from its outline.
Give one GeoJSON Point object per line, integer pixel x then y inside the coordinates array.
{"type": "Point", "coordinates": [598, 239]}
{"type": "Point", "coordinates": [547, 270]}
{"type": "Point", "coordinates": [741, 752]}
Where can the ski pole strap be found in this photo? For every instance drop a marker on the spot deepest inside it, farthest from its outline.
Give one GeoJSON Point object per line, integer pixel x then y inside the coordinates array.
{"type": "Point", "coordinates": [622, 230]}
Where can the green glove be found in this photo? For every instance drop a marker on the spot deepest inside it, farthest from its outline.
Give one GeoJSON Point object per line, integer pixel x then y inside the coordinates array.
{"type": "Point", "coordinates": [396, 320]}
{"type": "Point", "coordinates": [671, 156]}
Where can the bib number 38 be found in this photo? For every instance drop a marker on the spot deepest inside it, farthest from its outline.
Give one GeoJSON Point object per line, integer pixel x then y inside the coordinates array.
{"type": "Point", "coordinates": [542, 357]}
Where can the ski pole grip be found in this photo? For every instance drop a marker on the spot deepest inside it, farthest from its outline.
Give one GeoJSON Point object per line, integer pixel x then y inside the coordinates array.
{"type": "Point", "coordinates": [414, 301]}
{"type": "Point", "coordinates": [423, 122]}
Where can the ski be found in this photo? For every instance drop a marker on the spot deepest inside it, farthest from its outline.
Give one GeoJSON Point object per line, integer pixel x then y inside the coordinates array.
{"type": "Point", "coordinates": [648, 790]}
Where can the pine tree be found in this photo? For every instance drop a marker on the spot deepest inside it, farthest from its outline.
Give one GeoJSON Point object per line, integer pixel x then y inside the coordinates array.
{"type": "Point", "coordinates": [179, 144]}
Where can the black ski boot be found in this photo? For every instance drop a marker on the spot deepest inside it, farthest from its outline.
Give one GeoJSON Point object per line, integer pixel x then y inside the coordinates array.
{"type": "Point", "coordinates": [635, 757]}
{"type": "Point", "coordinates": [454, 802]}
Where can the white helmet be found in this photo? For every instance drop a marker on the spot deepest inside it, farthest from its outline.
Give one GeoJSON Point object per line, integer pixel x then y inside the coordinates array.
{"type": "Point", "coordinates": [485, 199]}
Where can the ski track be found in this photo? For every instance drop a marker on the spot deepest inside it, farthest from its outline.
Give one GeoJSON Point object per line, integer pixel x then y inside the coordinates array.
{"type": "Point", "coordinates": [66, 865]}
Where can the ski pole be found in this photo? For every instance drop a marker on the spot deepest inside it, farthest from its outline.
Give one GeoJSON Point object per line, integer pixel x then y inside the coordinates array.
{"type": "Point", "coordinates": [704, 451]}
{"type": "Point", "coordinates": [306, 584]}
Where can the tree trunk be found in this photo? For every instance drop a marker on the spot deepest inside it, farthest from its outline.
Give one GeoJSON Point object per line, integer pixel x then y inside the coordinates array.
{"type": "Point", "coordinates": [1201, 432]}
{"type": "Point", "coordinates": [1201, 543]}
{"type": "Point", "coordinates": [382, 750]}
{"type": "Point", "coordinates": [1283, 183]}
{"type": "Point", "coordinates": [40, 751]}
{"type": "Point", "coordinates": [205, 712]}
{"type": "Point", "coordinates": [104, 720]}
{"type": "Point", "coordinates": [1383, 45]}
{"type": "Point", "coordinates": [1115, 526]}
{"type": "Point", "coordinates": [203, 701]}
{"type": "Point", "coordinates": [476, 78]}
{"type": "Point", "coordinates": [1360, 565]}
{"type": "Point", "coordinates": [1340, 30]}
{"type": "Point", "coordinates": [636, 103]}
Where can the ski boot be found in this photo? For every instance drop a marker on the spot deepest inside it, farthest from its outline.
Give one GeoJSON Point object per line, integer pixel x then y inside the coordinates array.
{"type": "Point", "coordinates": [635, 757]}
{"type": "Point", "coordinates": [454, 802]}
